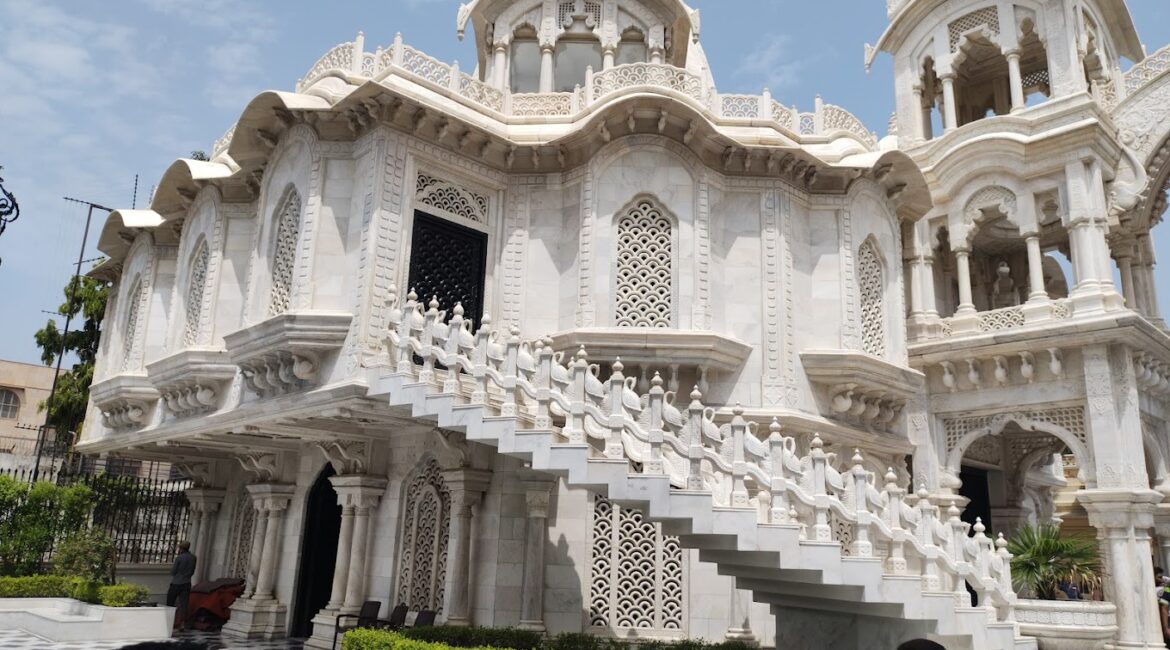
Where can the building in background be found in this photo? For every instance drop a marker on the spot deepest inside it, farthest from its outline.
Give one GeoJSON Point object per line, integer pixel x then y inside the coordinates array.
{"type": "Point", "coordinates": [572, 341]}
{"type": "Point", "coordinates": [23, 386]}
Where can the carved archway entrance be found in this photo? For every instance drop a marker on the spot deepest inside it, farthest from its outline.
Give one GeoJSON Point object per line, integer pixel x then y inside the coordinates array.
{"type": "Point", "coordinates": [322, 524]}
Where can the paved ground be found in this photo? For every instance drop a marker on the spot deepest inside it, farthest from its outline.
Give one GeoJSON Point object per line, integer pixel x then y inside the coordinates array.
{"type": "Point", "coordinates": [17, 640]}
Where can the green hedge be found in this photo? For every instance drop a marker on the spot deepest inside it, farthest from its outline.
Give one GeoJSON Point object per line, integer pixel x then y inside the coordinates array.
{"type": "Point", "coordinates": [480, 638]}
{"type": "Point", "coordinates": [475, 637]}
{"type": "Point", "coordinates": [122, 595]}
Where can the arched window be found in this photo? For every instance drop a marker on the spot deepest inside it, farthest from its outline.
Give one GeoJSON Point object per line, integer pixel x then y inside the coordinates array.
{"type": "Point", "coordinates": [130, 330]}
{"type": "Point", "coordinates": [284, 252]}
{"type": "Point", "coordinates": [196, 286]}
{"type": "Point", "coordinates": [872, 286]}
{"type": "Point", "coordinates": [422, 558]}
{"type": "Point", "coordinates": [525, 61]}
{"type": "Point", "coordinates": [632, 48]}
{"type": "Point", "coordinates": [645, 273]}
{"type": "Point", "coordinates": [9, 404]}
{"type": "Point", "coordinates": [573, 57]}
{"type": "Point", "coordinates": [637, 582]}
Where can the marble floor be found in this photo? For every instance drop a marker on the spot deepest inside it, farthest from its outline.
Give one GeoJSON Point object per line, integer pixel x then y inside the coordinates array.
{"type": "Point", "coordinates": [18, 640]}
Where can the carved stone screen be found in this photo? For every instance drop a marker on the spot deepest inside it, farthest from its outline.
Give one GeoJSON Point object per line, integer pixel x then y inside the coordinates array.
{"type": "Point", "coordinates": [243, 527]}
{"type": "Point", "coordinates": [636, 578]}
{"type": "Point", "coordinates": [422, 559]}
{"type": "Point", "coordinates": [448, 261]}
{"type": "Point", "coordinates": [873, 316]}
{"type": "Point", "coordinates": [284, 253]}
{"type": "Point", "coordinates": [196, 287]}
{"type": "Point", "coordinates": [644, 268]}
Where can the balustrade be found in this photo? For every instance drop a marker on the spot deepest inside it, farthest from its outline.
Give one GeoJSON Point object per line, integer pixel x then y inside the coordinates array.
{"type": "Point", "coordinates": [525, 380]}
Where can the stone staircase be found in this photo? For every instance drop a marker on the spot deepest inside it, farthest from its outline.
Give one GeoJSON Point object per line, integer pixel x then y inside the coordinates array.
{"type": "Point", "coordinates": [759, 510]}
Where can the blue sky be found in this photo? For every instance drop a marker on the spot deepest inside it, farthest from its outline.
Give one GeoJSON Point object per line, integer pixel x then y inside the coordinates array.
{"type": "Point", "coordinates": [96, 92]}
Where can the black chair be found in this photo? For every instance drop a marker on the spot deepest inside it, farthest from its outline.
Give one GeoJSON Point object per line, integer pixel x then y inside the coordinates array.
{"type": "Point", "coordinates": [367, 617]}
{"type": "Point", "coordinates": [398, 617]}
{"type": "Point", "coordinates": [425, 618]}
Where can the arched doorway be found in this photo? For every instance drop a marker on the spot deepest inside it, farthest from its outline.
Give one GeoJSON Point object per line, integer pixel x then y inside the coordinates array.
{"type": "Point", "coordinates": [320, 529]}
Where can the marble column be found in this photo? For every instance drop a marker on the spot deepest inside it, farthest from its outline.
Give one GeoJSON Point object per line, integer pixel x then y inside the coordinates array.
{"type": "Point", "coordinates": [1016, 81]}
{"type": "Point", "coordinates": [1036, 270]}
{"type": "Point", "coordinates": [950, 111]}
{"type": "Point", "coordinates": [921, 117]}
{"type": "Point", "coordinates": [467, 487]}
{"type": "Point", "coordinates": [1125, 268]}
{"type": "Point", "coordinates": [963, 266]}
{"type": "Point", "coordinates": [260, 525]}
{"type": "Point", "coordinates": [607, 56]}
{"type": "Point", "coordinates": [205, 503]}
{"type": "Point", "coordinates": [546, 68]}
{"type": "Point", "coordinates": [535, 538]}
{"type": "Point", "coordinates": [500, 65]}
{"type": "Point", "coordinates": [1162, 530]}
{"type": "Point", "coordinates": [275, 499]}
{"type": "Point", "coordinates": [259, 614]}
{"type": "Point", "coordinates": [341, 565]}
{"type": "Point", "coordinates": [740, 609]}
{"type": "Point", "coordinates": [1123, 519]}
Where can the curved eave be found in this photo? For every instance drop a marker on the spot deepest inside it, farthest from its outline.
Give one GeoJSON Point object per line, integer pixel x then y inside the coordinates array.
{"type": "Point", "coordinates": [900, 175]}
{"type": "Point", "coordinates": [266, 115]}
{"type": "Point", "coordinates": [118, 233]}
{"type": "Point", "coordinates": [1125, 34]}
{"type": "Point", "coordinates": [182, 181]}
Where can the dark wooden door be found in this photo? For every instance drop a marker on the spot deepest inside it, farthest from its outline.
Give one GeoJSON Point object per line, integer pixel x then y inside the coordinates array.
{"type": "Point", "coordinates": [448, 261]}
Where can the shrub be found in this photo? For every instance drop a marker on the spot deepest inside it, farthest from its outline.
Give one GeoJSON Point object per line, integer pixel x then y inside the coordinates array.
{"type": "Point", "coordinates": [123, 595]}
{"type": "Point", "coordinates": [382, 640]}
{"type": "Point", "coordinates": [88, 554]}
{"type": "Point", "coordinates": [579, 641]}
{"type": "Point", "coordinates": [49, 587]}
{"type": "Point", "coordinates": [474, 637]}
{"type": "Point", "coordinates": [31, 518]}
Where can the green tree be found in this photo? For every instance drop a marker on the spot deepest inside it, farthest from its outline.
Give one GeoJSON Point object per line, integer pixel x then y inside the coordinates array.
{"type": "Point", "coordinates": [33, 517]}
{"type": "Point", "coordinates": [86, 307]}
{"type": "Point", "coordinates": [199, 155]}
{"type": "Point", "coordinates": [1043, 559]}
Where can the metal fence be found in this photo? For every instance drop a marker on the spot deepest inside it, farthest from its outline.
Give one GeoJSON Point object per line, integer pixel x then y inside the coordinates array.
{"type": "Point", "coordinates": [141, 505]}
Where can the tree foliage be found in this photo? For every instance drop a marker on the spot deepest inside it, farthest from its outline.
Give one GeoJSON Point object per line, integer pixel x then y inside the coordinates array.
{"type": "Point", "coordinates": [33, 517]}
{"type": "Point", "coordinates": [86, 306]}
{"type": "Point", "coordinates": [1042, 560]}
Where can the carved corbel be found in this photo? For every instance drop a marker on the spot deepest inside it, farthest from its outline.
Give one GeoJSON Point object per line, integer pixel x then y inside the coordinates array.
{"type": "Point", "coordinates": [692, 129]}
{"type": "Point", "coordinates": [443, 129]}
{"type": "Point", "coordinates": [895, 191]}
{"type": "Point", "coordinates": [267, 138]}
{"type": "Point", "coordinates": [1028, 366]}
{"type": "Point", "coordinates": [631, 123]}
{"type": "Point", "coordinates": [949, 381]}
{"type": "Point", "coordinates": [881, 172]}
{"type": "Point", "coordinates": [974, 373]}
{"type": "Point", "coordinates": [663, 118]}
{"type": "Point", "coordinates": [510, 156]}
{"type": "Point", "coordinates": [199, 473]}
{"type": "Point", "coordinates": [347, 456]}
{"type": "Point", "coordinates": [1056, 362]}
{"type": "Point", "coordinates": [286, 117]}
{"type": "Point", "coordinates": [535, 157]}
{"type": "Point", "coordinates": [263, 467]}
{"type": "Point", "coordinates": [606, 136]}
{"type": "Point", "coordinates": [842, 397]}
{"type": "Point", "coordinates": [562, 157]}
{"type": "Point", "coordinates": [1001, 370]}
{"type": "Point", "coordinates": [454, 450]}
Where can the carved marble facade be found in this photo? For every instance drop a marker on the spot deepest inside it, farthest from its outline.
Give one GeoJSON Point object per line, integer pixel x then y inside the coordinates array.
{"type": "Point", "coordinates": [590, 346]}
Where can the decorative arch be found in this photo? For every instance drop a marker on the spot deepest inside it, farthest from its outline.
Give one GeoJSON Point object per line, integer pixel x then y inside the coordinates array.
{"type": "Point", "coordinates": [193, 311]}
{"type": "Point", "coordinates": [426, 522]}
{"type": "Point", "coordinates": [199, 257]}
{"type": "Point", "coordinates": [132, 322]}
{"type": "Point", "coordinates": [645, 271]}
{"type": "Point", "coordinates": [871, 290]}
{"type": "Point", "coordinates": [1053, 422]}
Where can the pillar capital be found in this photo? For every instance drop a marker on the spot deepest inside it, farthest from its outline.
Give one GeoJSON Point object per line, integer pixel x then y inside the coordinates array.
{"type": "Point", "coordinates": [358, 490]}
{"type": "Point", "coordinates": [1120, 509]}
{"type": "Point", "coordinates": [466, 484]}
{"type": "Point", "coordinates": [536, 497]}
{"type": "Point", "coordinates": [271, 497]}
{"type": "Point", "coordinates": [204, 499]}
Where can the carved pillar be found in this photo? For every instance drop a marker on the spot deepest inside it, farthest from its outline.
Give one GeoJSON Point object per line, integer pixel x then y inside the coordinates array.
{"type": "Point", "coordinates": [1147, 289]}
{"type": "Point", "coordinates": [1123, 519]}
{"type": "Point", "coordinates": [1162, 530]}
{"type": "Point", "coordinates": [500, 65]}
{"type": "Point", "coordinates": [467, 487]}
{"type": "Point", "coordinates": [1036, 269]}
{"type": "Point", "coordinates": [963, 266]}
{"type": "Point", "coordinates": [261, 525]}
{"type": "Point", "coordinates": [950, 112]}
{"type": "Point", "coordinates": [341, 565]}
{"type": "Point", "coordinates": [274, 501]}
{"type": "Point", "coordinates": [363, 493]}
{"type": "Point", "coordinates": [205, 503]}
{"type": "Point", "coordinates": [546, 68]}
{"type": "Point", "coordinates": [1016, 81]}
{"type": "Point", "coordinates": [1125, 267]}
{"type": "Point", "coordinates": [535, 538]}
{"type": "Point", "coordinates": [921, 116]}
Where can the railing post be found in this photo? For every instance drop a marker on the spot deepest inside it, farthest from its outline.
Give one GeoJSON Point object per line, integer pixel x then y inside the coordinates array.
{"type": "Point", "coordinates": [451, 349]}
{"type": "Point", "coordinates": [862, 546]}
{"type": "Point", "coordinates": [359, 52]}
{"type": "Point", "coordinates": [958, 552]}
{"type": "Point", "coordinates": [896, 562]}
{"type": "Point", "coordinates": [653, 464]}
{"type": "Point", "coordinates": [927, 523]}
{"type": "Point", "coordinates": [739, 494]}
{"type": "Point", "coordinates": [821, 530]}
{"type": "Point", "coordinates": [544, 361]}
{"type": "Point", "coordinates": [411, 320]}
{"type": "Point", "coordinates": [480, 359]}
{"type": "Point", "coordinates": [766, 105]}
{"type": "Point", "coordinates": [453, 83]}
{"type": "Point", "coordinates": [510, 372]}
{"type": "Point", "coordinates": [576, 420]}
{"type": "Point", "coordinates": [617, 414]}
{"type": "Point", "coordinates": [777, 448]}
{"type": "Point", "coordinates": [589, 85]}
{"type": "Point", "coordinates": [399, 50]}
{"type": "Point", "coordinates": [427, 374]}
{"type": "Point", "coordinates": [695, 442]}
{"type": "Point", "coordinates": [819, 116]}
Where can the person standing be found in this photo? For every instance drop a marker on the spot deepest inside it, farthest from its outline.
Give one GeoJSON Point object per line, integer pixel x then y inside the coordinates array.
{"type": "Point", "coordinates": [180, 589]}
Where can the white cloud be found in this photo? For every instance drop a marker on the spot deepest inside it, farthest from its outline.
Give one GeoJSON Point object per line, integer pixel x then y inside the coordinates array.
{"type": "Point", "coordinates": [770, 65]}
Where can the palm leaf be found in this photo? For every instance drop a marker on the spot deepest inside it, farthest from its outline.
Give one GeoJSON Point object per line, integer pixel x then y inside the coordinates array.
{"type": "Point", "coordinates": [1043, 560]}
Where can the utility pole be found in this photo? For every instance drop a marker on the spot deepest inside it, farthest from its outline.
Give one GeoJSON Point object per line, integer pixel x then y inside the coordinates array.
{"type": "Point", "coordinates": [68, 318]}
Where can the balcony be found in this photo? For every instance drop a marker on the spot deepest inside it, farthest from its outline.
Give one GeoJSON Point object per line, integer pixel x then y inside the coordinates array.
{"type": "Point", "coordinates": [192, 381]}
{"type": "Point", "coordinates": [125, 401]}
{"type": "Point", "coordinates": [670, 352]}
{"type": "Point", "coordinates": [859, 388]}
{"type": "Point", "coordinates": [285, 353]}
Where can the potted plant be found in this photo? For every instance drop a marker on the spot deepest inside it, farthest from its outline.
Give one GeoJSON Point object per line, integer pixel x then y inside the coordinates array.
{"type": "Point", "coordinates": [1042, 561]}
